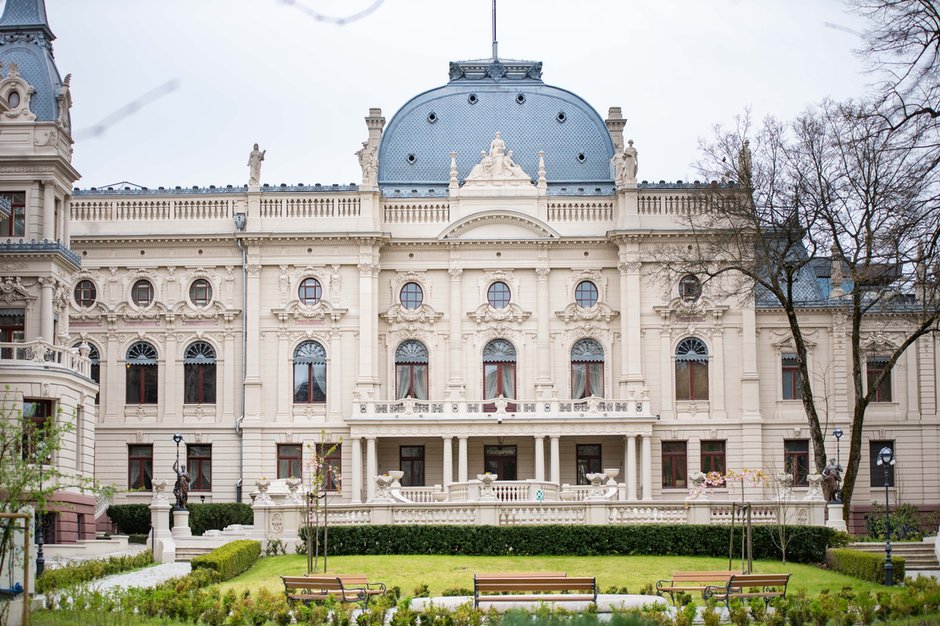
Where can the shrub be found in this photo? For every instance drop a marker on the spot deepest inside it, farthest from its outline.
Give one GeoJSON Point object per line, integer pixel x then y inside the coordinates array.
{"type": "Point", "coordinates": [865, 565]}
{"type": "Point", "coordinates": [231, 559]}
{"type": "Point", "coordinates": [217, 515]}
{"type": "Point", "coordinates": [130, 519]}
{"type": "Point", "coordinates": [808, 543]}
{"type": "Point", "coordinates": [906, 522]}
{"type": "Point", "coordinates": [61, 577]}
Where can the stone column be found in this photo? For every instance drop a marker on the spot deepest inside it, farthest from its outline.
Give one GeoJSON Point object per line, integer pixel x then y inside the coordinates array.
{"type": "Point", "coordinates": [448, 473]}
{"type": "Point", "coordinates": [285, 378]}
{"type": "Point", "coordinates": [751, 423]}
{"type": "Point", "coordinates": [717, 374]}
{"type": "Point", "coordinates": [631, 358]}
{"type": "Point", "coordinates": [555, 475]}
{"type": "Point", "coordinates": [539, 458]}
{"type": "Point", "coordinates": [455, 382]}
{"type": "Point", "coordinates": [334, 399]}
{"type": "Point", "coordinates": [543, 381]}
{"type": "Point", "coordinates": [229, 393]}
{"type": "Point", "coordinates": [113, 386]}
{"type": "Point", "coordinates": [252, 354]}
{"type": "Point", "coordinates": [647, 467]}
{"type": "Point", "coordinates": [372, 468]}
{"type": "Point", "coordinates": [368, 336]}
{"type": "Point", "coordinates": [170, 401]}
{"type": "Point", "coordinates": [48, 212]}
{"type": "Point", "coordinates": [356, 491]}
{"type": "Point", "coordinates": [461, 459]}
{"type": "Point", "coordinates": [666, 382]}
{"type": "Point", "coordinates": [66, 220]}
{"type": "Point", "coordinates": [630, 467]}
{"type": "Point", "coordinates": [46, 310]}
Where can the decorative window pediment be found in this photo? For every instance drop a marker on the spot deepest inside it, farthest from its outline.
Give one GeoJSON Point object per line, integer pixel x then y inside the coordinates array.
{"type": "Point", "coordinates": [512, 312]}
{"type": "Point", "coordinates": [12, 290]}
{"type": "Point", "coordinates": [16, 93]}
{"type": "Point", "coordinates": [499, 224]}
{"type": "Point", "coordinates": [297, 310]}
{"type": "Point", "coordinates": [397, 314]}
{"type": "Point", "coordinates": [574, 313]}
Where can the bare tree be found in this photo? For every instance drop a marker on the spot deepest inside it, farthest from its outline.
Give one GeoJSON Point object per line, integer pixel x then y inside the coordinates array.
{"type": "Point", "coordinates": [834, 190]}
{"type": "Point", "coordinates": [902, 46]}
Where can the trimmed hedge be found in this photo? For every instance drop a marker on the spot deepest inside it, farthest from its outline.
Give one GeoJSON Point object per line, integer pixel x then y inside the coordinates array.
{"type": "Point", "coordinates": [231, 559]}
{"type": "Point", "coordinates": [807, 543]}
{"type": "Point", "coordinates": [868, 566]}
{"type": "Point", "coordinates": [130, 519]}
{"type": "Point", "coordinates": [134, 519]}
{"type": "Point", "coordinates": [60, 577]}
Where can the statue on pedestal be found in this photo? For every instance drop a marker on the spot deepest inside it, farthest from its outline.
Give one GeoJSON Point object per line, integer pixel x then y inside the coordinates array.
{"type": "Point", "coordinates": [254, 166]}
{"type": "Point", "coordinates": [832, 482]}
{"type": "Point", "coordinates": [181, 488]}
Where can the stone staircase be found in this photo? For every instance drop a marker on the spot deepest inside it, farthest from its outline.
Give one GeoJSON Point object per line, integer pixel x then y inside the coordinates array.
{"type": "Point", "coordinates": [917, 556]}
{"type": "Point", "coordinates": [188, 553]}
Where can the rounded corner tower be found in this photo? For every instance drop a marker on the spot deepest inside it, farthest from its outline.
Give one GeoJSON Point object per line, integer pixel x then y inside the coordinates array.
{"type": "Point", "coordinates": [482, 98]}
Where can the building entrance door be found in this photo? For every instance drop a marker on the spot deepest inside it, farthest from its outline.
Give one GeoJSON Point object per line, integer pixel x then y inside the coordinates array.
{"type": "Point", "coordinates": [500, 460]}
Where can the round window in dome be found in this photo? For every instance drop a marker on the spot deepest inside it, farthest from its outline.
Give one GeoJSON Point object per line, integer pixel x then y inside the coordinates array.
{"type": "Point", "coordinates": [411, 158]}
{"type": "Point", "coordinates": [520, 98]}
{"type": "Point", "coordinates": [432, 117]}
{"type": "Point", "coordinates": [561, 117]}
{"type": "Point", "coordinates": [472, 98]}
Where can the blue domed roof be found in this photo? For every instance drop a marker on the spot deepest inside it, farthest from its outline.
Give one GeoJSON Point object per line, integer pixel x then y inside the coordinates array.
{"type": "Point", "coordinates": [26, 41]}
{"type": "Point", "coordinates": [481, 98]}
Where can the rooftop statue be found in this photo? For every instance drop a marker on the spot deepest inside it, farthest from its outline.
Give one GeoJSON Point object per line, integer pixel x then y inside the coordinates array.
{"type": "Point", "coordinates": [254, 166]}
{"type": "Point", "coordinates": [625, 166]}
{"type": "Point", "coordinates": [497, 164]}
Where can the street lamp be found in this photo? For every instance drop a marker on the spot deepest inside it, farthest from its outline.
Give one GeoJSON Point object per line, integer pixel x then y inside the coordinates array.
{"type": "Point", "coordinates": [886, 459]}
{"type": "Point", "coordinates": [40, 531]}
{"type": "Point", "coordinates": [837, 433]}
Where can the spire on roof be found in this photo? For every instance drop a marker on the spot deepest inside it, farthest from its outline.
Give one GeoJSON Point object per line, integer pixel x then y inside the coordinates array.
{"type": "Point", "coordinates": [22, 15]}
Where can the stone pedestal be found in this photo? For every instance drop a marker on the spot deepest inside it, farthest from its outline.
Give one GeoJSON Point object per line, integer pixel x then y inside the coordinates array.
{"type": "Point", "coordinates": [181, 528]}
{"type": "Point", "coordinates": [162, 544]}
{"type": "Point", "coordinates": [835, 517]}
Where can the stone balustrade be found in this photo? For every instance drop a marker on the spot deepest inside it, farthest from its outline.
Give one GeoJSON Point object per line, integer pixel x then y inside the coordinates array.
{"type": "Point", "coordinates": [461, 409]}
{"type": "Point", "coordinates": [39, 352]}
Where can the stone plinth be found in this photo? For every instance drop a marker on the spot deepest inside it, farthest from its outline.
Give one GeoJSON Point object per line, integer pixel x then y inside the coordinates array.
{"type": "Point", "coordinates": [181, 527]}
{"type": "Point", "coordinates": [835, 517]}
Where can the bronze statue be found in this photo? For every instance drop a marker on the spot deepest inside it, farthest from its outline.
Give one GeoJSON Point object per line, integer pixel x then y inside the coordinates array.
{"type": "Point", "coordinates": [181, 488]}
{"type": "Point", "coordinates": [832, 481]}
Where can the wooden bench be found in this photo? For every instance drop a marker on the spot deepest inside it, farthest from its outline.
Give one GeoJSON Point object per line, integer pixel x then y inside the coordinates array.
{"type": "Point", "coordinates": [746, 586]}
{"type": "Point", "coordinates": [688, 582]}
{"type": "Point", "coordinates": [343, 588]}
{"type": "Point", "coordinates": [534, 587]}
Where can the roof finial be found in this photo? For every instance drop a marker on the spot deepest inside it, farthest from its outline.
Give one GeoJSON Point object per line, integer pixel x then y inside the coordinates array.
{"type": "Point", "coordinates": [495, 43]}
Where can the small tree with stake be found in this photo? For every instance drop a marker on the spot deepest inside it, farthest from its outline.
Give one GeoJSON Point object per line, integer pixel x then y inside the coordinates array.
{"type": "Point", "coordinates": [323, 478]}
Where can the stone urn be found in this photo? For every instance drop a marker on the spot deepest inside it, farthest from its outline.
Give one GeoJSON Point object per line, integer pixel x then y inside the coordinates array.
{"type": "Point", "coordinates": [396, 476]}
{"type": "Point", "coordinates": [697, 489]}
{"type": "Point", "coordinates": [611, 473]}
{"type": "Point", "coordinates": [263, 484]}
{"type": "Point", "coordinates": [293, 490]}
{"type": "Point", "coordinates": [487, 489]}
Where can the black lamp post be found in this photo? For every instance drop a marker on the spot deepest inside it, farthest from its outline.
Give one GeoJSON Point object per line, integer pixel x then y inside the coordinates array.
{"type": "Point", "coordinates": [40, 531]}
{"type": "Point", "coordinates": [886, 459]}
{"type": "Point", "coordinates": [837, 433]}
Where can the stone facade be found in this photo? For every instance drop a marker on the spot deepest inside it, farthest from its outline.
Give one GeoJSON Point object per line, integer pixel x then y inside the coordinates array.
{"type": "Point", "coordinates": [260, 320]}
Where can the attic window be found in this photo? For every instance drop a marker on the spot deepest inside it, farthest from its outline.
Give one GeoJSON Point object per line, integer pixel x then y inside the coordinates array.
{"type": "Point", "coordinates": [561, 117]}
{"type": "Point", "coordinates": [411, 158]}
{"type": "Point", "coordinates": [520, 98]}
{"type": "Point", "coordinates": [432, 117]}
{"type": "Point", "coordinates": [581, 157]}
{"type": "Point", "coordinates": [472, 98]}
{"type": "Point", "coordinates": [14, 99]}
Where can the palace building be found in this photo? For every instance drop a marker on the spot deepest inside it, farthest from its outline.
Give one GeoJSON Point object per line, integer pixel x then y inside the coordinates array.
{"type": "Point", "coordinates": [487, 299]}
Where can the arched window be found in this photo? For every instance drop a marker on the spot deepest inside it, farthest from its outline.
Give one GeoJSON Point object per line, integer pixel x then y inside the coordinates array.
{"type": "Point", "coordinates": [199, 373]}
{"type": "Point", "coordinates": [691, 370]}
{"type": "Point", "coordinates": [309, 373]}
{"type": "Point", "coordinates": [411, 370]}
{"type": "Point", "coordinates": [499, 370]}
{"type": "Point", "coordinates": [141, 380]}
{"type": "Point", "coordinates": [587, 369]}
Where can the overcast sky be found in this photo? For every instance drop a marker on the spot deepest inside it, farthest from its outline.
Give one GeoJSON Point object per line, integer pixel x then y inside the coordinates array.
{"type": "Point", "coordinates": [266, 71]}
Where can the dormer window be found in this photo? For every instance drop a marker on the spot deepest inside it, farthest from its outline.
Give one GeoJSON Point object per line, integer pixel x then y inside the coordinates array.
{"type": "Point", "coordinates": [14, 99]}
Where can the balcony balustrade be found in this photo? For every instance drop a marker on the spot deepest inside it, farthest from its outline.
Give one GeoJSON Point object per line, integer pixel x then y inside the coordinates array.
{"type": "Point", "coordinates": [44, 354]}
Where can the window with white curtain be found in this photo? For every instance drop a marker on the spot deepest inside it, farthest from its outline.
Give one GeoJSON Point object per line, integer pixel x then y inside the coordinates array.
{"type": "Point", "coordinates": [309, 373]}
{"type": "Point", "coordinates": [499, 370]}
{"type": "Point", "coordinates": [587, 369]}
{"type": "Point", "coordinates": [411, 370]}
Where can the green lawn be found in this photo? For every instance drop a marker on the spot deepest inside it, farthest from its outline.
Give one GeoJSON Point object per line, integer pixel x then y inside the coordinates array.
{"type": "Point", "coordinates": [448, 572]}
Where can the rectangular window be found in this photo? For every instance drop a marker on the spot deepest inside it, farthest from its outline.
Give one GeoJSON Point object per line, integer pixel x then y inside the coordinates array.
{"type": "Point", "coordinates": [589, 461]}
{"type": "Point", "coordinates": [675, 465]}
{"type": "Point", "coordinates": [199, 465]}
{"type": "Point", "coordinates": [411, 460]}
{"type": "Point", "coordinates": [713, 457]}
{"type": "Point", "coordinates": [875, 366]}
{"type": "Point", "coordinates": [12, 329]}
{"type": "Point", "coordinates": [330, 456]}
{"type": "Point", "coordinates": [289, 460]}
{"type": "Point", "coordinates": [36, 416]}
{"type": "Point", "coordinates": [796, 460]}
{"type": "Point", "coordinates": [140, 467]}
{"type": "Point", "coordinates": [15, 224]}
{"type": "Point", "coordinates": [792, 381]}
{"type": "Point", "coordinates": [878, 475]}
